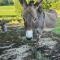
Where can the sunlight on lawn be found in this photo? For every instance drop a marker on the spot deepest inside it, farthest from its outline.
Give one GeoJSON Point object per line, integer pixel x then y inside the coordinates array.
{"type": "Point", "coordinates": [58, 11]}
{"type": "Point", "coordinates": [57, 28]}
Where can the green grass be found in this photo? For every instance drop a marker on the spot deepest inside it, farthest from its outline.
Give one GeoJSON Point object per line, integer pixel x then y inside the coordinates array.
{"type": "Point", "coordinates": [7, 10]}
{"type": "Point", "coordinates": [57, 27]}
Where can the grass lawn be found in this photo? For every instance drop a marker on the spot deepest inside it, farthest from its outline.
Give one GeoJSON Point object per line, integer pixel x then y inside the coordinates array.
{"type": "Point", "coordinates": [7, 10]}
{"type": "Point", "coordinates": [58, 11]}
{"type": "Point", "coordinates": [57, 28]}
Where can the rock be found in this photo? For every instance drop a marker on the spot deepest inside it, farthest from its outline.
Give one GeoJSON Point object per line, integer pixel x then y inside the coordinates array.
{"type": "Point", "coordinates": [16, 53]}
{"type": "Point", "coordinates": [47, 42]}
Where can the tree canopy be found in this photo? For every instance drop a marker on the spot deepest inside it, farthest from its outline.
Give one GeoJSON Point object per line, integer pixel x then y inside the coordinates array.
{"type": "Point", "coordinates": [51, 4]}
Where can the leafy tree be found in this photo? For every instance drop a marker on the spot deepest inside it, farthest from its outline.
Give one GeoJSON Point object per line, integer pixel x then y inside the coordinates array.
{"type": "Point", "coordinates": [47, 4]}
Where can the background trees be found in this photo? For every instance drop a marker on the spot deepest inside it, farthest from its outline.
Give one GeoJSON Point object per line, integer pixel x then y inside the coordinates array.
{"type": "Point", "coordinates": [51, 4]}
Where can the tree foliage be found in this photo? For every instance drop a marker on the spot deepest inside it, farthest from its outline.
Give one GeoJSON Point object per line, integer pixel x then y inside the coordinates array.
{"type": "Point", "coordinates": [47, 4]}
